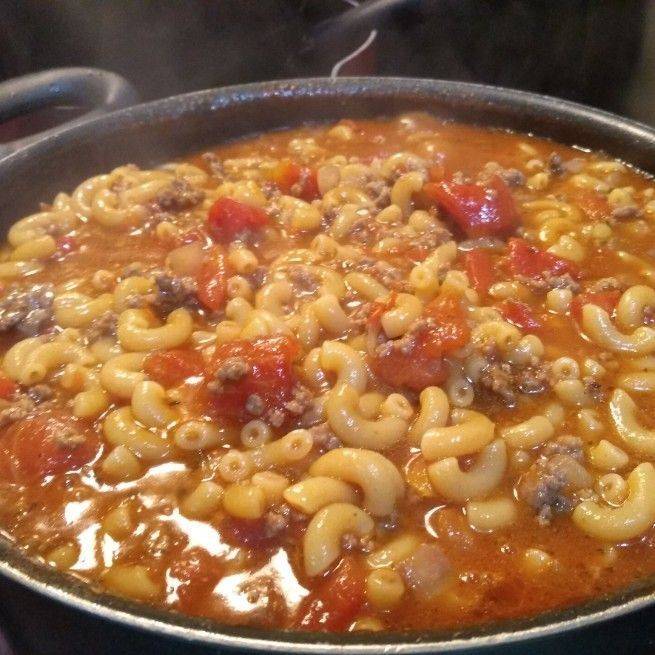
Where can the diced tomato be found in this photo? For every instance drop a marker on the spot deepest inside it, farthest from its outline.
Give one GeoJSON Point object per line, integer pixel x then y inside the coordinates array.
{"type": "Point", "coordinates": [270, 374]}
{"type": "Point", "coordinates": [212, 281]}
{"type": "Point", "coordinates": [172, 367]}
{"type": "Point", "coordinates": [606, 300]}
{"type": "Point", "coordinates": [47, 444]}
{"type": "Point", "coordinates": [451, 330]}
{"type": "Point", "coordinates": [477, 210]}
{"type": "Point", "coordinates": [479, 267]}
{"type": "Point", "coordinates": [293, 179]}
{"type": "Point", "coordinates": [520, 314]}
{"type": "Point", "coordinates": [593, 204]}
{"type": "Point", "coordinates": [415, 370]}
{"type": "Point", "coordinates": [334, 605]}
{"type": "Point", "coordinates": [228, 218]}
{"type": "Point", "coordinates": [528, 260]}
{"type": "Point", "coordinates": [7, 387]}
{"type": "Point", "coordinates": [423, 365]}
{"type": "Point", "coordinates": [198, 572]}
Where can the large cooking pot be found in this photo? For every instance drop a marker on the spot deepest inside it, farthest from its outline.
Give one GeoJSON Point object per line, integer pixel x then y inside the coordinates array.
{"type": "Point", "coordinates": [52, 613]}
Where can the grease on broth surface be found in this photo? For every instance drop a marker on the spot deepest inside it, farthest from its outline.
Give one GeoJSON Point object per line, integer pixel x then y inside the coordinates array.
{"type": "Point", "coordinates": [373, 375]}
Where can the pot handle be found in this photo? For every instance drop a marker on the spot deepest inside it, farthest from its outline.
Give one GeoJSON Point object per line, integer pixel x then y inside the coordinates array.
{"type": "Point", "coordinates": [96, 91]}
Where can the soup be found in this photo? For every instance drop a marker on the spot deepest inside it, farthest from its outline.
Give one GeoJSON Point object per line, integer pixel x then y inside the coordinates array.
{"type": "Point", "coordinates": [378, 375]}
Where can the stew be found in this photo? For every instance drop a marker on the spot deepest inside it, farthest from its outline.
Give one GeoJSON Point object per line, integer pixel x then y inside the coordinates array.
{"type": "Point", "coordinates": [378, 375]}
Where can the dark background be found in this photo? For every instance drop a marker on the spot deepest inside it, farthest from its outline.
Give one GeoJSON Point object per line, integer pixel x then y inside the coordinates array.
{"type": "Point", "coordinates": [597, 52]}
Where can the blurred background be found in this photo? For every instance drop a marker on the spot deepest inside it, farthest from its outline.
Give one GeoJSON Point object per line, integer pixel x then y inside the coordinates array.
{"type": "Point", "coordinates": [599, 52]}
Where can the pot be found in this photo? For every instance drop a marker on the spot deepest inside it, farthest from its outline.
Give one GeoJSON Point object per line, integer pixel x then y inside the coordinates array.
{"type": "Point", "coordinates": [64, 615]}
{"type": "Point", "coordinates": [39, 101]}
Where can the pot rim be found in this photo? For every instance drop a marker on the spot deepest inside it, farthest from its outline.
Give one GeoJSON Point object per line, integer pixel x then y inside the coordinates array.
{"type": "Point", "coordinates": [14, 564]}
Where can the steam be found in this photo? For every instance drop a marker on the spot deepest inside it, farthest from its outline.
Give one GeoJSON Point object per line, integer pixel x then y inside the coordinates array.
{"type": "Point", "coordinates": [355, 53]}
{"type": "Point", "coordinates": [358, 51]}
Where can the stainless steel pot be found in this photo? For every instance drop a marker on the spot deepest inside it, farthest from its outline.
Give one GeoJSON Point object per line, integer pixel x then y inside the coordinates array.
{"type": "Point", "coordinates": [151, 133]}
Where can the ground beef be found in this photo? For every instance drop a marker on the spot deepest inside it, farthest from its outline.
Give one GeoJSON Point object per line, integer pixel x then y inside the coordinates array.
{"type": "Point", "coordinates": [351, 542]}
{"type": "Point", "coordinates": [270, 189]}
{"type": "Point", "coordinates": [22, 404]}
{"type": "Point", "coordinates": [215, 164]}
{"type": "Point", "coordinates": [497, 377]}
{"type": "Point", "coordinates": [554, 480]}
{"type": "Point", "coordinates": [27, 311]}
{"type": "Point", "coordinates": [513, 177]}
{"type": "Point", "coordinates": [594, 389]}
{"type": "Point", "coordinates": [365, 230]}
{"type": "Point", "coordinates": [506, 380]}
{"type": "Point", "coordinates": [174, 292]}
{"type": "Point", "coordinates": [133, 270]}
{"type": "Point", "coordinates": [626, 212]}
{"type": "Point", "coordinates": [69, 438]}
{"type": "Point", "coordinates": [178, 196]}
{"type": "Point", "coordinates": [279, 518]}
{"type": "Point", "coordinates": [649, 315]}
{"type": "Point", "coordinates": [427, 571]}
{"type": "Point", "coordinates": [275, 522]}
{"type": "Point", "coordinates": [39, 393]}
{"type": "Point", "coordinates": [302, 278]}
{"type": "Point", "coordinates": [324, 438]}
{"type": "Point", "coordinates": [103, 326]}
{"type": "Point", "coordinates": [275, 417]}
{"type": "Point", "coordinates": [548, 281]}
{"type": "Point", "coordinates": [379, 191]}
{"type": "Point", "coordinates": [405, 344]}
{"type": "Point", "coordinates": [257, 278]}
{"type": "Point", "coordinates": [532, 379]}
{"type": "Point", "coordinates": [301, 398]}
{"type": "Point", "coordinates": [384, 272]}
{"type": "Point", "coordinates": [313, 414]}
{"type": "Point", "coordinates": [255, 405]}
{"type": "Point", "coordinates": [232, 369]}
{"type": "Point", "coordinates": [565, 445]}
{"type": "Point", "coordinates": [16, 411]}
{"type": "Point", "coordinates": [607, 284]}
{"type": "Point", "coordinates": [556, 164]}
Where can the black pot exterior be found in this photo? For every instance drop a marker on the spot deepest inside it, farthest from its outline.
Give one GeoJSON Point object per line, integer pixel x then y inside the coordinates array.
{"type": "Point", "coordinates": [156, 132]}
{"type": "Point", "coordinates": [94, 91]}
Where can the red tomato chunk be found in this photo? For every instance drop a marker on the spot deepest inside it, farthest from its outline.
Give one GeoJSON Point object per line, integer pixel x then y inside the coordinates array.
{"type": "Point", "coordinates": [261, 368]}
{"type": "Point", "coordinates": [477, 210]}
{"type": "Point", "coordinates": [172, 367]}
{"type": "Point", "coordinates": [422, 365]}
{"type": "Point", "coordinates": [479, 268]}
{"type": "Point", "coordinates": [528, 260]}
{"type": "Point", "coordinates": [48, 444]}
{"type": "Point", "coordinates": [295, 180]}
{"type": "Point", "coordinates": [593, 204]}
{"type": "Point", "coordinates": [230, 218]}
{"type": "Point", "coordinates": [335, 603]}
{"type": "Point", "coordinates": [520, 314]}
{"type": "Point", "coordinates": [212, 282]}
{"type": "Point", "coordinates": [7, 387]}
